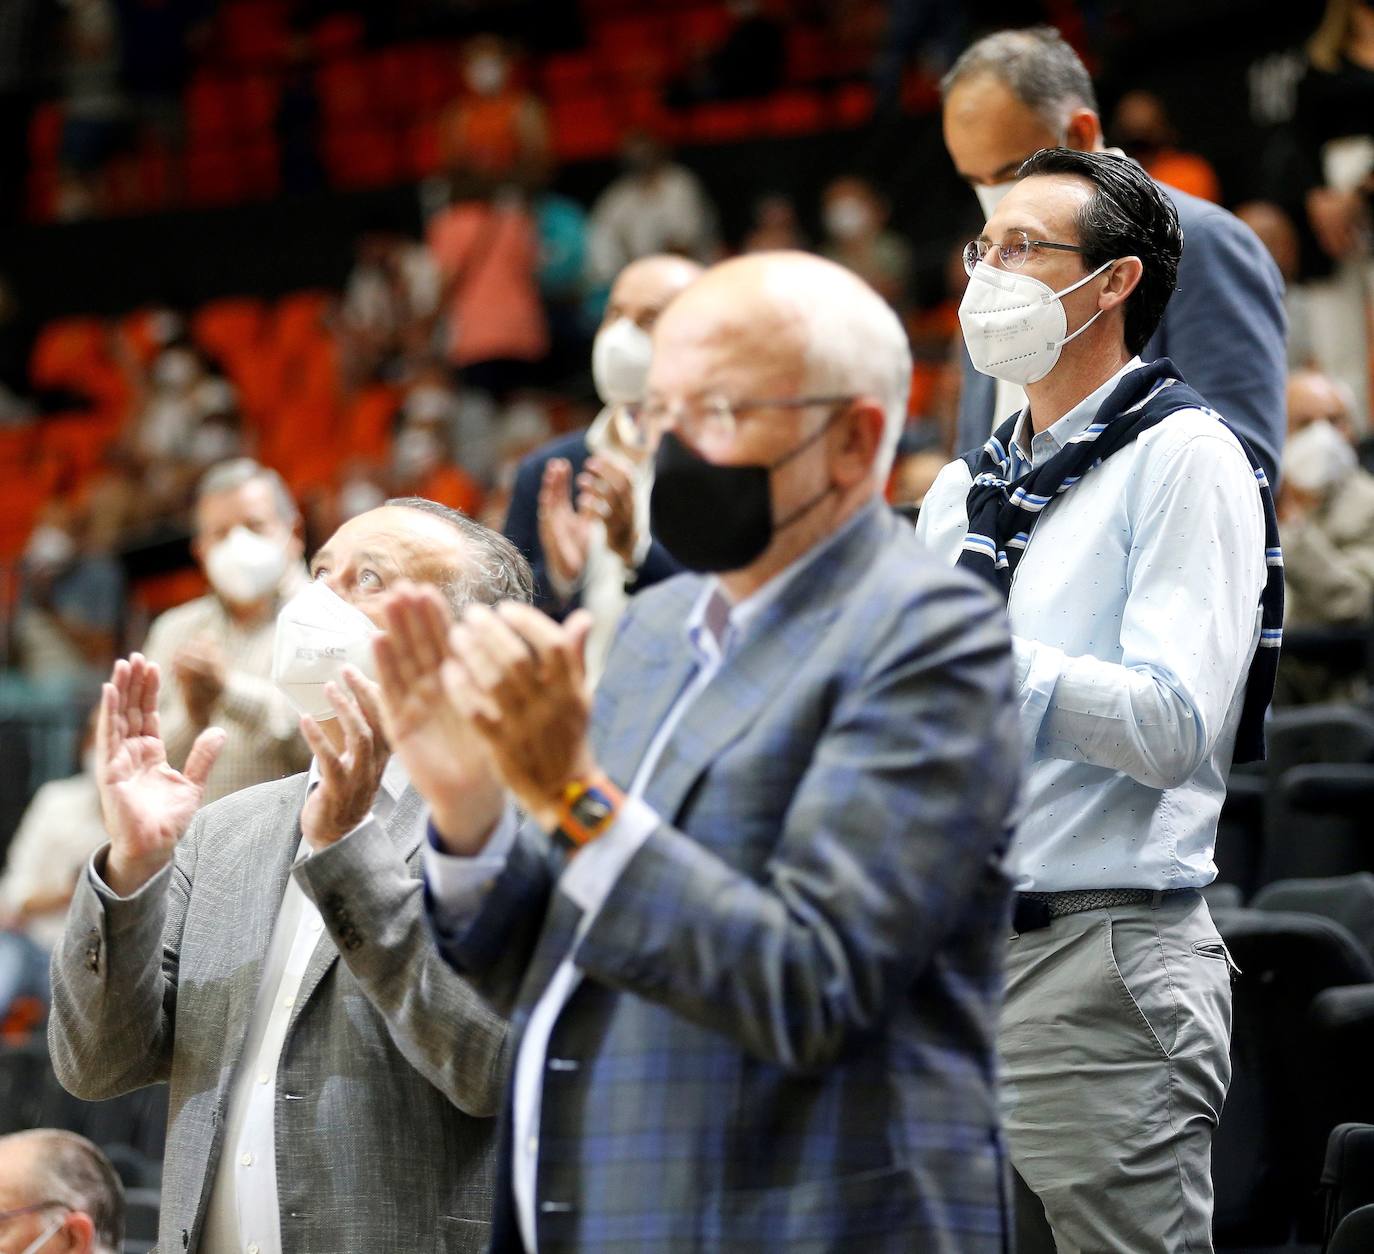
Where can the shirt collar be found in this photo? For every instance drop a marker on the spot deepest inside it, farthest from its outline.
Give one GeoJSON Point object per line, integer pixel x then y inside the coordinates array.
{"type": "Point", "coordinates": [715, 627]}
{"type": "Point", "coordinates": [1039, 448]}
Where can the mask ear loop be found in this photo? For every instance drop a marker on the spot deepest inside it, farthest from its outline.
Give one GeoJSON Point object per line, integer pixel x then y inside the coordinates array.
{"type": "Point", "coordinates": [1073, 288]}
{"type": "Point", "coordinates": [808, 506]}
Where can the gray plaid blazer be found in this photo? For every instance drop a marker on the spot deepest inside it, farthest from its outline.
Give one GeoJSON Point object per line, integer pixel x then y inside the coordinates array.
{"type": "Point", "coordinates": [785, 1038]}
{"type": "Point", "coordinates": [392, 1063]}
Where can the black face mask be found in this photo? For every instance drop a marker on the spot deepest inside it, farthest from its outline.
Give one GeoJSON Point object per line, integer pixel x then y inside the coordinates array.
{"type": "Point", "coordinates": [715, 518]}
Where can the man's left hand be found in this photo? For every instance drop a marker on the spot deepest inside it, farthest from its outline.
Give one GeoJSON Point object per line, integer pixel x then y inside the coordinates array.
{"type": "Point", "coordinates": [605, 490]}
{"type": "Point", "coordinates": [525, 692]}
{"type": "Point", "coordinates": [349, 779]}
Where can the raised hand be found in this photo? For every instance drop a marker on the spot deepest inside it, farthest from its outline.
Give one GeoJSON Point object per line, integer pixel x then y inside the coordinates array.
{"type": "Point", "coordinates": [562, 529]}
{"type": "Point", "coordinates": [351, 775]}
{"type": "Point", "coordinates": [446, 760]}
{"type": "Point", "coordinates": [605, 490]}
{"type": "Point", "coordinates": [147, 806]}
{"type": "Point", "coordinates": [519, 678]}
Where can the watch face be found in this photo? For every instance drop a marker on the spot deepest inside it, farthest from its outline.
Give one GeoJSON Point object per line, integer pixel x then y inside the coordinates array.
{"type": "Point", "coordinates": [592, 808]}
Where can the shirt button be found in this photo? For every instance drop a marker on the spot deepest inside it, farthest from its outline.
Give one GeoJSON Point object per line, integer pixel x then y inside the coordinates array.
{"type": "Point", "coordinates": [264, 1077]}
{"type": "Point", "coordinates": [317, 925]}
{"type": "Point", "coordinates": [246, 1160]}
{"type": "Point", "coordinates": [532, 1146]}
{"type": "Point", "coordinates": [252, 1248]}
{"type": "Point", "coordinates": [288, 1002]}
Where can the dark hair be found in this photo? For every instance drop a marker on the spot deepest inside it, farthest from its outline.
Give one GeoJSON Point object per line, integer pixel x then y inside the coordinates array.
{"type": "Point", "coordinates": [1035, 64]}
{"type": "Point", "coordinates": [499, 571]}
{"type": "Point", "coordinates": [1128, 216]}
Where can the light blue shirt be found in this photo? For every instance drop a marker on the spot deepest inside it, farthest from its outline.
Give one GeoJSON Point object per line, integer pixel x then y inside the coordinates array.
{"type": "Point", "coordinates": [1134, 613]}
{"type": "Point", "coordinates": [714, 629]}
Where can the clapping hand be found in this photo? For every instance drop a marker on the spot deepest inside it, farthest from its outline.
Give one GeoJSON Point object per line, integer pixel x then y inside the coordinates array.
{"type": "Point", "coordinates": [562, 529]}
{"type": "Point", "coordinates": [605, 490]}
{"type": "Point", "coordinates": [351, 775]}
{"type": "Point", "coordinates": [147, 806]}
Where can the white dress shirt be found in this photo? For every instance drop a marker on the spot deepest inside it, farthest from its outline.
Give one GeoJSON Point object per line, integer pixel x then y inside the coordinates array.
{"type": "Point", "coordinates": [242, 1215]}
{"type": "Point", "coordinates": [713, 629]}
{"type": "Point", "coordinates": [1135, 614]}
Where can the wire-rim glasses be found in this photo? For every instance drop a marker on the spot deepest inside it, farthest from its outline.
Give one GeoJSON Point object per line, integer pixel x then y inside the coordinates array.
{"type": "Point", "coordinates": [1012, 252]}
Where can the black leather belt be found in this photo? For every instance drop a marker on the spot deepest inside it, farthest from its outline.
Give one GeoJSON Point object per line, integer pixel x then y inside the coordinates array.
{"type": "Point", "coordinates": [1031, 912]}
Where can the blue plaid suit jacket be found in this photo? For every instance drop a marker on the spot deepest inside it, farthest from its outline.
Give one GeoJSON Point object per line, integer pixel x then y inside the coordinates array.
{"type": "Point", "coordinates": [784, 1040]}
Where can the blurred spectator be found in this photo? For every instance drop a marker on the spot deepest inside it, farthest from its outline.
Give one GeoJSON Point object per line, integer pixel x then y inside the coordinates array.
{"type": "Point", "coordinates": [215, 652]}
{"type": "Point", "coordinates": [1326, 520]}
{"type": "Point", "coordinates": [934, 29]}
{"type": "Point", "coordinates": [920, 457]}
{"type": "Point", "coordinates": [497, 132]}
{"type": "Point", "coordinates": [1142, 128]}
{"type": "Point", "coordinates": [1334, 136]}
{"type": "Point", "coordinates": [488, 254]}
{"type": "Point", "coordinates": [1278, 234]}
{"type": "Point", "coordinates": [59, 831]}
{"type": "Point", "coordinates": [465, 421]}
{"type": "Point", "coordinates": [421, 464]}
{"type": "Point", "coordinates": [855, 220]}
{"type": "Point", "coordinates": [71, 600]}
{"type": "Point", "coordinates": [94, 107]}
{"type": "Point", "coordinates": [748, 63]}
{"type": "Point", "coordinates": [655, 206]}
{"type": "Point", "coordinates": [58, 1192]}
{"type": "Point", "coordinates": [390, 304]}
{"type": "Point", "coordinates": [775, 226]}
{"type": "Point", "coordinates": [562, 226]}
{"type": "Point", "coordinates": [158, 41]}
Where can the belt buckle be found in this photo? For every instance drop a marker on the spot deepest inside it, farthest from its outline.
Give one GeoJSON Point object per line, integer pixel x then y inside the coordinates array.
{"type": "Point", "coordinates": [1029, 915]}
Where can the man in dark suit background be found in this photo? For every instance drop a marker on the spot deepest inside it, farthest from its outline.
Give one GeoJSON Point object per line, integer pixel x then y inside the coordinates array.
{"type": "Point", "coordinates": [543, 521]}
{"type": "Point", "coordinates": [1017, 91]}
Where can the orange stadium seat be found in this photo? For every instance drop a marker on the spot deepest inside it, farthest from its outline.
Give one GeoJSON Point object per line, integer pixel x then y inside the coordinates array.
{"type": "Point", "coordinates": [230, 329]}
{"type": "Point", "coordinates": [368, 422]}
{"type": "Point", "coordinates": [585, 126]}
{"type": "Point", "coordinates": [68, 352]}
{"type": "Point", "coordinates": [24, 495]}
{"type": "Point", "coordinates": [298, 318]}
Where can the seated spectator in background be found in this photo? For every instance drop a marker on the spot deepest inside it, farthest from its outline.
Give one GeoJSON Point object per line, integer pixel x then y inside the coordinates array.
{"type": "Point", "coordinates": [1280, 237]}
{"type": "Point", "coordinates": [655, 206]}
{"type": "Point", "coordinates": [498, 131]}
{"type": "Point", "coordinates": [920, 458]}
{"type": "Point", "coordinates": [58, 1192]}
{"type": "Point", "coordinates": [216, 651]}
{"type": "Point", "coordinates": [60, 829]}
{"type": "Point", "coordinates": [487, 252]}
{"type": "Point", "coordinates": [390, 304]}
{"type": "Point", "coordinates": [332, 1081]}
{"type": "Point", "coordinates": [1141, 127]}
{"type": "Point", "coordinates": [855, 220]}
{"type": "Point", "coordinates": [775, 227]}
{"type": "Point", "coordinates": [422, 465]}
{"type": "Point", "coordinates": [587, 550]}
{"type": "Point", "coordinates": [95, 113]}
{"type": "Point", "coordinates": [748, 63]}
{"type": "Point", "coordinates": [1326, 518]}
{"type": "Point", "coordinates": [465, 418]}
{"type": "Point", "coordinates": [71, 599]}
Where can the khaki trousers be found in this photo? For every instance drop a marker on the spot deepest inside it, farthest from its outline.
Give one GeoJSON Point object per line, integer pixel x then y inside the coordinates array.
{"type": "Point", "coordinates": [1114, 1046]}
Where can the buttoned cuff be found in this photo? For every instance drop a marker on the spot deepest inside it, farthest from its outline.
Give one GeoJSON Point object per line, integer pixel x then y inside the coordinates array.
{"type": "Point", "coordinates": [588, 878]}
{"type": "Point", "coordinates": [457, 885]}
{"type": "Point", "coordinates": [1038, 667]}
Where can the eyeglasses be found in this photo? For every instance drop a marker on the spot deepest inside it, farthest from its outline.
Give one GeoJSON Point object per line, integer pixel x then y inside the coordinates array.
{"type": "Point", "coordinates": [713, 416]}
{"type": "Point", "coordinates": [1012, 251]}
{"type": "Point", "coordinates": [7, 1215]}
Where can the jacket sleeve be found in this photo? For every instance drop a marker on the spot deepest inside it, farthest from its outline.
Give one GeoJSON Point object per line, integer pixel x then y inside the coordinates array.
{"type": "Point", "coordinates": [897, 822]}
{"type": "Point", "coordinates": [372, 904]}
{"type": "Point", "coordinates": [1226, 330]}
{"type": "Point", "coordinates": [114, 979]}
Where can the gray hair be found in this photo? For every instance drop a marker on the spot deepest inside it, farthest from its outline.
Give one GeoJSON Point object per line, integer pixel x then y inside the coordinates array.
{"type": "Point", "coordinates": [1036, 65]}
{"type": "Point", "coordinates": [71, 1170]}
{"type": "Point", "coordinates": [498, 570]}
{"type": "Point", "coordinates": [233, 474]}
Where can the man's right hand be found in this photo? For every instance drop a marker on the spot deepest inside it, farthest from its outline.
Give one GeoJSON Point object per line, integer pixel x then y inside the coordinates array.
{"type": "Point", "coordinates": [562, 529]}
{"type": "Point", "coordinates": [446, 759]}
{"type": "Point", "coordinates": [147, 806]}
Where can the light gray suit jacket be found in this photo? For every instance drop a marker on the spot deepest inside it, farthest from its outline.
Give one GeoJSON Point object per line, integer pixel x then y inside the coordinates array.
{"type": "Point", "coordinates": [391, 1065]}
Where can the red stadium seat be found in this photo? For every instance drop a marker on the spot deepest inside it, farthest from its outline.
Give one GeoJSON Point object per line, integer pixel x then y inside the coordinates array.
{"type": "Point", "coordinates": [793, 112]}
{"type": "Point", "coordinates": [215, 176]}
{"type": "Point", "coordinates": [253, 32]}
{"type": "Point", "coordinates": [364, 156]}
{"type": "Point", "coordinates": [68, 352]}
{"type": "Point", "coordinates": [809, 55]}
{"type": "Point", "coordinates": [367, 424]}
{"type": "Point", "coordinates": [704, 27]}
{"type": "Point", "coordinates": [424, 149]}
{"type": "Point", "coordinates": [571, 74]}
{"type": "Point", "coordinates": [337, 34]}
{"type": "Point", "coordinates": [24, 495]}
{"type": "Point", "coordinates": [343, 89]}
{"type": "Point", "coordinates": [584, 127]}
{"type": "Point", "coordinates": [723, 123]}
{"type": "Point", "coordinates": [853, 104]}
{"type": "Point", "coordinates": [45, 131]}
{"type": "Point", "coordinates": [211, 109]}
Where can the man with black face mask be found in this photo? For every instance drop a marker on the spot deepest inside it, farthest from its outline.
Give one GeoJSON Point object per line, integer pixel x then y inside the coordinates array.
{"type": "Point", "coordinates": [750, 928]}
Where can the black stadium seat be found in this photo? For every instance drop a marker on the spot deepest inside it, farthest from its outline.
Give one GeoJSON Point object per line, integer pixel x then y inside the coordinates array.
{"type": "Point", "coordinates": [1345, 899]}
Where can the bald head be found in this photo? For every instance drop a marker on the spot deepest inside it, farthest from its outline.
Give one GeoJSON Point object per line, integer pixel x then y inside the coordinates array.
{"type": "Point", "coordinates": [781, 324]}
{"type": "Point", "coordinates": [66, 1171]}
{"type": "Point", "coordinates": [1314, 397]}
{"type": "Point", "coordinates": [643, 289]}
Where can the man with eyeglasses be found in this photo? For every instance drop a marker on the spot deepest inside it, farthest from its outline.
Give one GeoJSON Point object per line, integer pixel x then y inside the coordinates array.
{"type": "Point", "coordinates": [58, 1192]}
{"type": "Point", "coordinates": [1133, 536]}
{"type": "Point", "coordinates": [1017, 91]}
{"type": "Point", "coordinates": [750, 932]}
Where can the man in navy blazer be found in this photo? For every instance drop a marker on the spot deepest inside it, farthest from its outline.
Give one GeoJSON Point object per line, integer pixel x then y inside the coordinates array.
{"type": "Point", "coordinates": [549, 474]}
{"type": "Point", "coordinates": [1017, 91]}
{"type": "Point", "coordinates": [753, 927]}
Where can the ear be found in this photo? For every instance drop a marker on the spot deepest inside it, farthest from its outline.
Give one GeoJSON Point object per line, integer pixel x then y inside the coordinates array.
{"type": "Point", "coordinates": [79, 1231]}
{"type": "Point", "coordinates": [859, 436]}
{"type": "Point", "coordinates": [1083, 131]}
{"type": "Point", "coordinates": [1122, 280]}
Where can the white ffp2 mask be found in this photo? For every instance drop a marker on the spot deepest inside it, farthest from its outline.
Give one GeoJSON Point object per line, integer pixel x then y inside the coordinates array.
{"type": "Point", "coordinates": [1014, 324]}
{"type": "Point", "coordinates": [1317, 458]}
{"type": "Point", "coordinates": [620, 362]}
{"type": "Point", "coordinates": [245, 567]}
{"type": "Point", "coordinates": [318, 634]}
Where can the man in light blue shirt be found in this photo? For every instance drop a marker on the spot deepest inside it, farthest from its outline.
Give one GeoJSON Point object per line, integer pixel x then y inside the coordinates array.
{"type": "Point", "coordinates": [1125, 523]}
